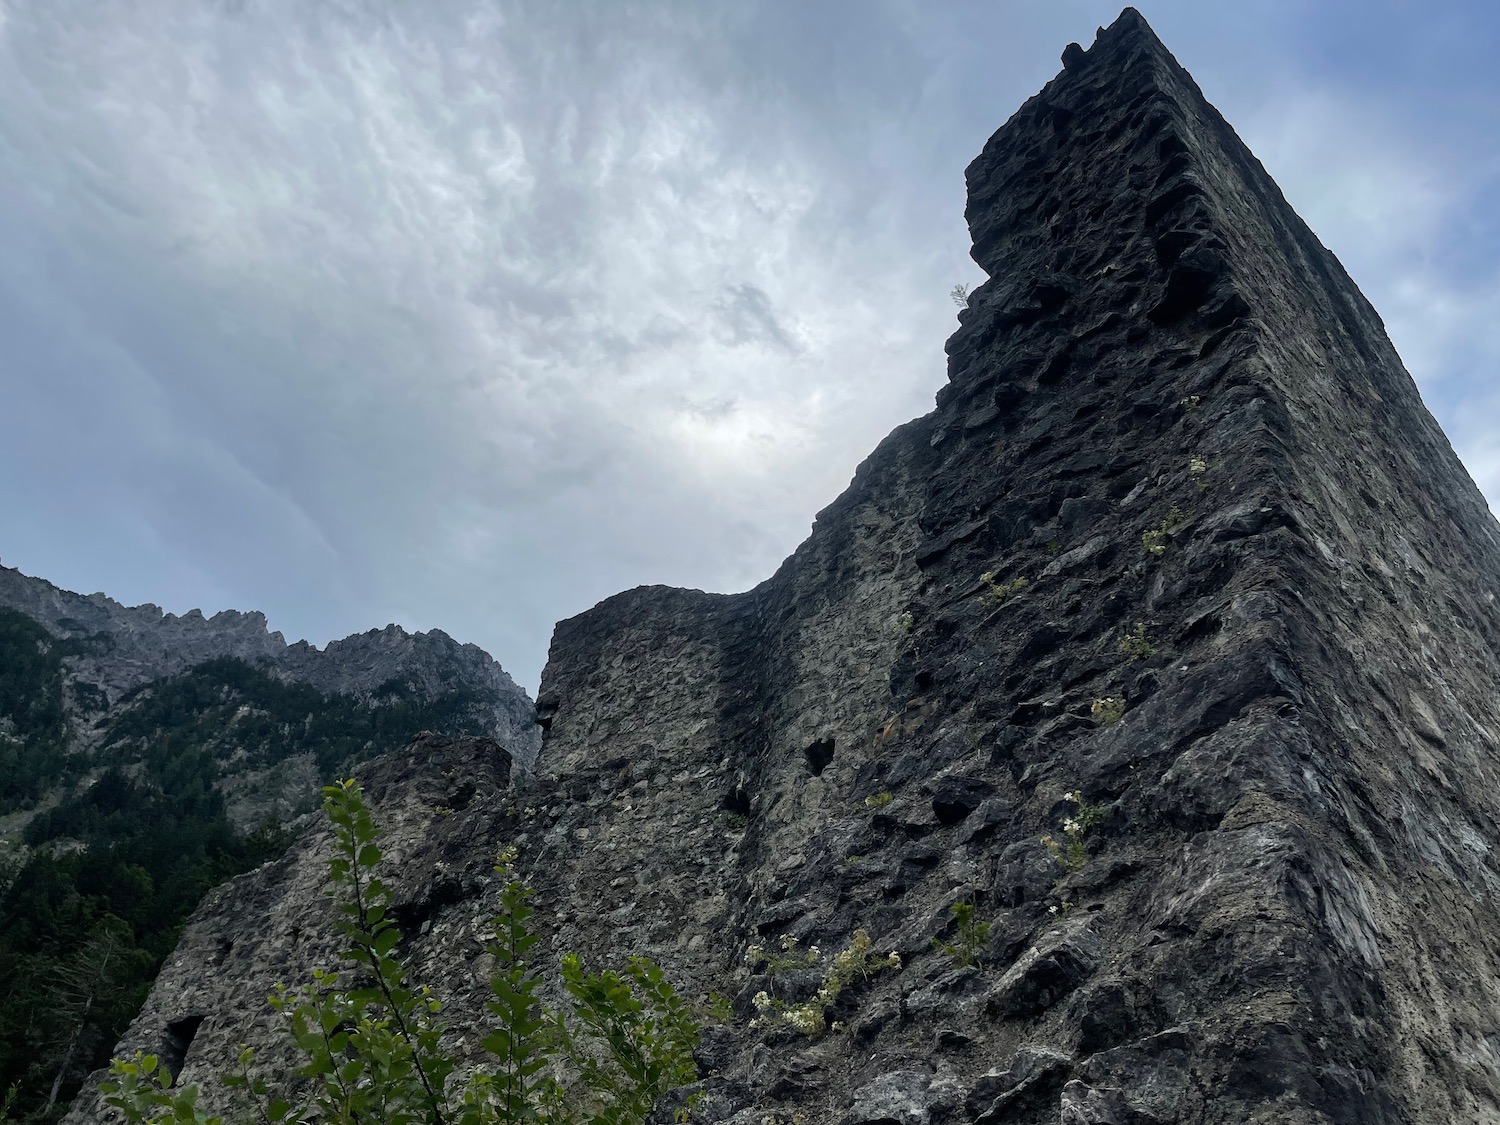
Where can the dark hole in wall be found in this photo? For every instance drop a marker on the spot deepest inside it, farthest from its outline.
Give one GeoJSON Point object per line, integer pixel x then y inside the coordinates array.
{"type": "Point", "coordinates": [177, 1040]}
{"type": "Point", "coordinates": [434, 896]}
{"type": "Point", "coordinates": [819, 753]}
{"type": "Point", "coordinates": [736, 801]}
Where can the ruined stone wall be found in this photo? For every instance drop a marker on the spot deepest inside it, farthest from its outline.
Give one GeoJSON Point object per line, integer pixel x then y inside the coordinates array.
{"type": "Point", "coordinates": [708, 739]}
{"type": "Point", "coordinates": [442, 803]}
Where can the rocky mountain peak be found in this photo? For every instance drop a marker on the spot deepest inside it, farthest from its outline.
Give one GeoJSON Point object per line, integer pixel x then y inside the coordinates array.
{"type": "Point", "coordinates": [135, 645]}
{"type": "Point", "coordinates": [1166, 642]}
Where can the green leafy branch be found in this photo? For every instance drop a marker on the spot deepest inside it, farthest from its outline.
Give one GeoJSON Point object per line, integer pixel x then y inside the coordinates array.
{"type": "Point", "coordinates": [375, 1052]}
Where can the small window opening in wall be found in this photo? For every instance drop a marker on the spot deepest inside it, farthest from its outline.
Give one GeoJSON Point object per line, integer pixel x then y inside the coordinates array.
{"type": "Point", "coordinates": [737, 801]}
{"type": "Point", "coordinates": [819, 754]}
{"type": "Point", "coordinates": [178, 1039]}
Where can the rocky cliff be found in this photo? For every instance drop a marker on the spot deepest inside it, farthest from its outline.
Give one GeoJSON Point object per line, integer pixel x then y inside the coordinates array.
{"type": "Point", "coordinates": [128, 647]}
{"type": "Point", "coordinates": [1179, 574]}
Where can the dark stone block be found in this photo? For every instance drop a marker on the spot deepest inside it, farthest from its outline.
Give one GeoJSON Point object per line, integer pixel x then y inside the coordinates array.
{"type": "Point", "coordinates": [955, 797]}
{"type": "Point", "coordinates": [1061, 960]}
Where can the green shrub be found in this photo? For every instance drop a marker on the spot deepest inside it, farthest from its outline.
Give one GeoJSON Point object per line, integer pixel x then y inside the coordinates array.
{"type": "Point", "coordinates": [1109, 710]}
{"type": "Point", "coordinates": [1001, 592]}
{"type": "Point", "coordinates": [1154, 542]}
{"type": "Point", "coordinates": [372, 1042]}
{"type": "Point", "coordinates": [1136, 644]}
{"type": "Point", "coordinates": [857, 962]}
{"type": "Point", "coordinates": [785, 957]}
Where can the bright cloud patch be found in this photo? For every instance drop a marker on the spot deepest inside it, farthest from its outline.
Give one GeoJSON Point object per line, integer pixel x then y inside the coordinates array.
{"type": "Point", "coordinates": [419, 283]}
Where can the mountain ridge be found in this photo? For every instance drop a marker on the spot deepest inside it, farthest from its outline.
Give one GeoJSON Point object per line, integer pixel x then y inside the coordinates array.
{"type": "Point", "coordinates": [149, 643]}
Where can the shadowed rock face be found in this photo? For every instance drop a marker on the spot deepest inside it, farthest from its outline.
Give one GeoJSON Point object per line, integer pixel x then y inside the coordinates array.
{"type": "Point", "coordinates": [1172, 414]}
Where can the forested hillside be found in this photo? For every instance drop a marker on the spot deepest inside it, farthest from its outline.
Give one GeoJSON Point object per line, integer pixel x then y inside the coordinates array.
{"type": "Point", "coordinates": [33, 722]}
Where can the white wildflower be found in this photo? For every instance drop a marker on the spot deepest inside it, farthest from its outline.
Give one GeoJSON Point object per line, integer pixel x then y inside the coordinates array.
{"type": "Point", "coordinates": [806, 1018]}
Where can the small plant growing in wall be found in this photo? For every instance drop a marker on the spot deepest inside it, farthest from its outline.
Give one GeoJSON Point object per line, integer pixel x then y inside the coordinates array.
{"type": "Point", "coordinates": [857, 962]}
{"type": "Point", "coordinates": [1071, 852]}
{"type": "Point", "coordinates": [1109, 710]}
{"type": "Point", "coordinates": [905, 626]}
{"type": "Point", "coordinates": [1136, 644]}
{"type": "Point", "coordinates": [973, 937]}
{"type": "Point", "coordinates": [784, 957]}
{"type": "Point", "coordinates": [960, 295]}
{"type": "Point", "coordinates": [1154, 542]}
{"type": "Point", "coordinates": [716, 1008]}
{"type": "Point", "coordinates": [879, 800]}
{"type": "Point", "coordinates": [1198, 470]}
{"type": "Point", "coordinates": [998, 592]}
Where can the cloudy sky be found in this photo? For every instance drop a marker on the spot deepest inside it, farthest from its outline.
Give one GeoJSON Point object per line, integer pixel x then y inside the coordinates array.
{"type": "Point", "coordinates": [468, 313]}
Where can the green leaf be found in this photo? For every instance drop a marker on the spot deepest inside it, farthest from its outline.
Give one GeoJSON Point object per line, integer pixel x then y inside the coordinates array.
{"type": "Point", "coordinates": [386, 941]}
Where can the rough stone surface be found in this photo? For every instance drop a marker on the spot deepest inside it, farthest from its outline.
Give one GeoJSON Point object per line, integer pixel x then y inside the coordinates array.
{"type": "Point", "coordinates": [1059, 961]}
{"type": "Point", "coordinates": [437, 799]}
{"type": "Point", "coordinates": [904, 1097]}
{"type": "Point", "coordinates": [1286, 912]}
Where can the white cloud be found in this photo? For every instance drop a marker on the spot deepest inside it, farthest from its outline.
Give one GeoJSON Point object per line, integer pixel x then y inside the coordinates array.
{"type": "Point", "coordinates": [450, 287]}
